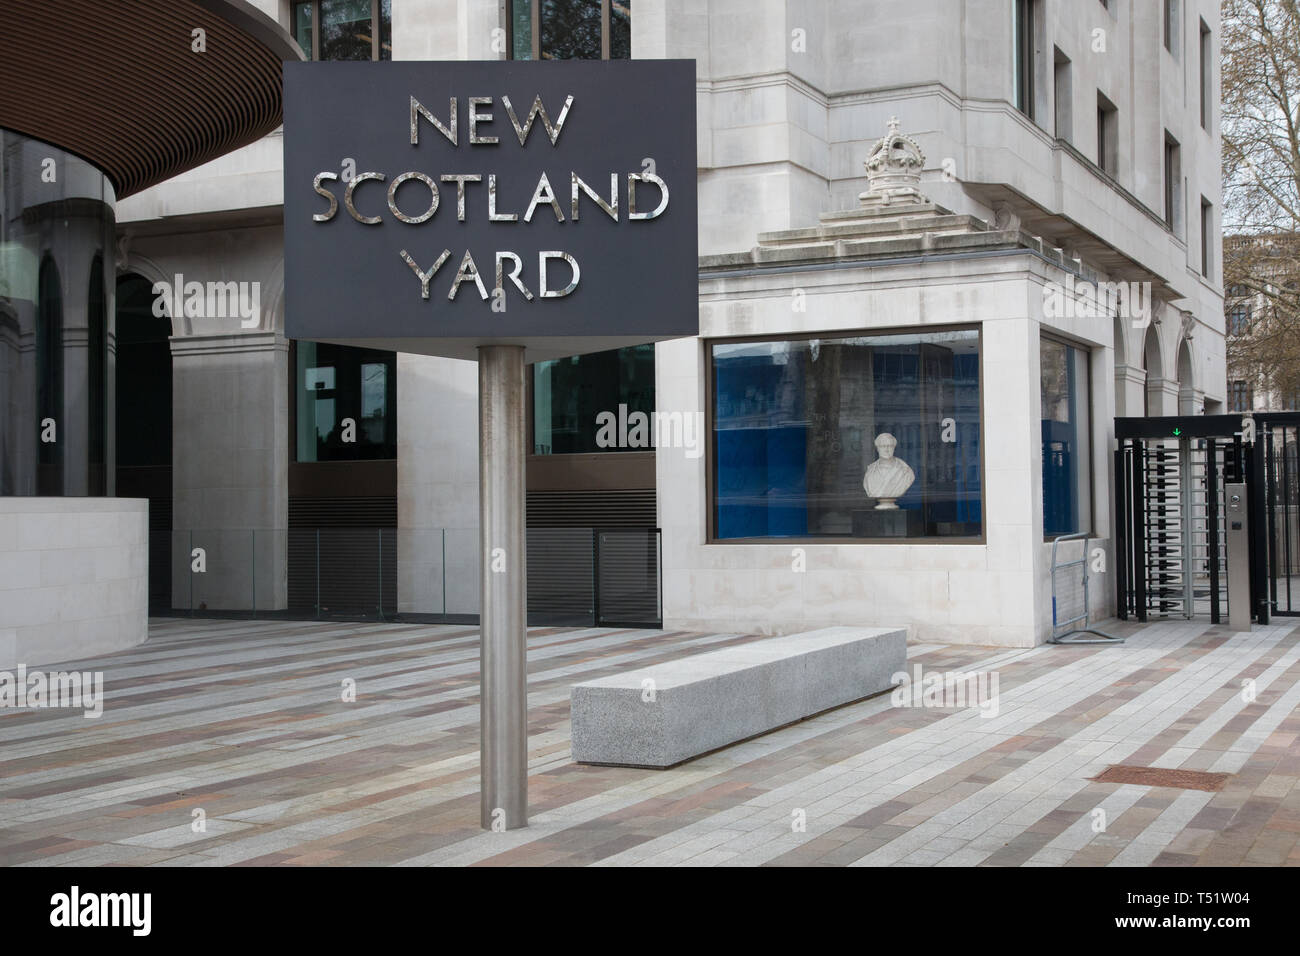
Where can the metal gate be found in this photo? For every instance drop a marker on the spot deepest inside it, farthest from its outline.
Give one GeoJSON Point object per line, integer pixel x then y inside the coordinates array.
{"type": "Point", "coordinates": [1171, 540]}
{"type": "Point", "coordinates": [1277, 442]}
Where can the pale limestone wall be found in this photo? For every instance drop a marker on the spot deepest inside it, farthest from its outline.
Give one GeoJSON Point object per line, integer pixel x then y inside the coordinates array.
{"type": "Point", "coordinates": [230, 470]}
{"type": "Point", "coordinates": [73, 578]}
{"type": "Point", "coordinates": [437, 484]}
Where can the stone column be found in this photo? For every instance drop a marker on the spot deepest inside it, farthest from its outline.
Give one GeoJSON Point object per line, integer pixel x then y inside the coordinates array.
{"type": "Point", "coordinates": [1162, 396]}
{"type": "Point", "coordinates": [1191, 400]}
{"type": "Point", "coordinates": [230, 470]}
{"type": "Point", "coordinates": [1130, 390]}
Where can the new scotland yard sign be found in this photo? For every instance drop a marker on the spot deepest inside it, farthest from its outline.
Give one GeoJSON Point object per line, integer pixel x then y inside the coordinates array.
{"type": "Point", "coordinates": [437, 206]}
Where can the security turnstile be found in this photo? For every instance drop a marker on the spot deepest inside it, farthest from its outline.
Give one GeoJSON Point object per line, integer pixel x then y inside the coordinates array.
{"type": "Point", "coordinates": [1181, 538]}
{"type": "Point", "coordinates": [1276, 548]}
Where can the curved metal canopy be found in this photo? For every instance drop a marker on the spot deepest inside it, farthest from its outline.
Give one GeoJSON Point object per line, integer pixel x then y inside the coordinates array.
{"type": "Point", "coordinates": [121, 83]}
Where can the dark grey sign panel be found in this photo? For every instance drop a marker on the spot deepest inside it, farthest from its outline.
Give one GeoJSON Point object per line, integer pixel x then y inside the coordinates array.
{"type": "Point", "coordinates": [435, 206]}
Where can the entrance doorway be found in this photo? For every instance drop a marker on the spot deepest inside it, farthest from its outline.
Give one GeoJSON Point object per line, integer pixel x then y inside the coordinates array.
{"type": "Point", "coordinates": [143, 397]}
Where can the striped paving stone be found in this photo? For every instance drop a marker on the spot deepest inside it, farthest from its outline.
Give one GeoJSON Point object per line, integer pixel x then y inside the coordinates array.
{"type": "Point", "coordinates": [245, 721]}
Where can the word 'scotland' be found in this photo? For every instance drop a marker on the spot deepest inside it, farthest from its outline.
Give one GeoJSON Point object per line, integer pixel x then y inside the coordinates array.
{"type": "Point", "coordinates": [415, 197]}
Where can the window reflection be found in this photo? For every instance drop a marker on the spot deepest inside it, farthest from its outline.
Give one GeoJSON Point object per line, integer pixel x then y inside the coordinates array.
{"type": "Point", "coordinates": [56, 354]}
{"type": "Point", "coordinates": [96, 378]}
{"type": "Point", "coordinates": [521, 30]}
{"type": "Point", "coordinates": [569, 394]}
{"type": "Point", "coordinates": [1063, 378]}
{"type": "Point", "coordinates": [344, 29]}
{"type": "Point", "coordinates": [796, 425]}
{"type": "Point", "coordinates": [302, 21]}
{"type": "Point", "coordinates": [49, 381]}
{"type": "Point", "coordinates": [571, 29]}
{"type": "Point", "coordinates": [620, 29]}
{"type": "Point", "coordinates": [346, 403]}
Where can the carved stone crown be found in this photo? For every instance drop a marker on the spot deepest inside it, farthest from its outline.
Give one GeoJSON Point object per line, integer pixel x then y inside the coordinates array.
{"type": "Point", "coordinates": [894, 169]}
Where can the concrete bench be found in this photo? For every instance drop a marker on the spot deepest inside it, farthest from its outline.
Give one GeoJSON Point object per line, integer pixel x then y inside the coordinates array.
{"type": "Point", "coordinates": [707, 701]}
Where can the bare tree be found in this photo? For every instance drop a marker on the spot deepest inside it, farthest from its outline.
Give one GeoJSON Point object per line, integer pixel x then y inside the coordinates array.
{"type": "Point", "coordinates": [1261, 173]}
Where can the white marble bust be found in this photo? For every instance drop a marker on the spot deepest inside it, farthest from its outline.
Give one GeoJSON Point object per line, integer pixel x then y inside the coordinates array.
{"type": "Point", "coordinates": [887, 478]}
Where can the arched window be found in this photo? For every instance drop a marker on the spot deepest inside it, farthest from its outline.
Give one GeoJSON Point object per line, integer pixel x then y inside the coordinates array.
{"type": "Point", "coordinates": [49, 380]}
{"type": "Point", "coordinates": [97, 377]}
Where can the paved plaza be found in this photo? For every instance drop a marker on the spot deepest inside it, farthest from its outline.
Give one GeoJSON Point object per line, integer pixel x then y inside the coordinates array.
{"type": "Point", "coordinates": [230, 742]}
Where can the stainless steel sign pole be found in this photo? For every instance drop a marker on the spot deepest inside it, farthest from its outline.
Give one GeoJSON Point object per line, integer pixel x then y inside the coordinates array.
{"type": "Point", "coordinates": [502, 212]}
{"type": "Point", "coordinates": [503, 708]}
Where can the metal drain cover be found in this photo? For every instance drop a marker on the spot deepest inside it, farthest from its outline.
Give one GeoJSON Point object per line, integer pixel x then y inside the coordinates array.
{"type": "Point", "coordinates": [1163, 777]}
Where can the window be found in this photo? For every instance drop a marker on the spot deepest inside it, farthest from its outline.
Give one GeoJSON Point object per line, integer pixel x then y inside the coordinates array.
{"type": "Point", "coordinates": [1107, 134]}
{"type": "Point", "coordinates": [1205, 76]}
{"type": "Point", "coordinates": [1173, 181]}
{"type": "Point", "coordinates": [1023, 28]}
{"type": "Point", "coordinates": [344, 29]}
{"type": "Point", "coordinates": [1207, 237]}
{"type": "Point", "coordinates": [1067, 464]}
{"type": "Point", "coordinates": [1171, 26]}
{"type": "Point", "coordinates": [346, 407]}
{"type": "Point", "coordinates": [872, 436]}
{"type": "Point", "coordinates": [590, 403]}
{"type": "Point", "coordinates": [1064, 91]}
{"type": "Point", "coordinates": [49, 379]}
{"type": "Point", "coordinates": [97, 377]}
{"type": "Point", "coordinates": [570, 29]}
{"type": "Point", "coordinates": [1239, 319]}
{"type": "Point", "coordinates": [1240, 398]}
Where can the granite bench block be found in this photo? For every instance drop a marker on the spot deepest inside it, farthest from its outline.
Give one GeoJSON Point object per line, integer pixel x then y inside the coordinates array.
{"type": "Point", "coordinates": [707, 701]}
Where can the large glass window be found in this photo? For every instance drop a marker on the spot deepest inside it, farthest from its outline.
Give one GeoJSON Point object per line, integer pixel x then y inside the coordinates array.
{"type": "Point", "coordinates": [570, 29]}
{"type": "Point", "coordinates": [347, 403]}
{"type": "Point", "coordinates": [574, 397]}
{"type": "Point", "coordinates": [1067, 464]}
{"type": "Point", "coordinates": [344, 29]}
{"type": "Point", "coordinates": [862, 437]}
{"type": "Point", "coordinates": [96, 377]}
{"type": "Point", "coordinates": [49, 381]}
